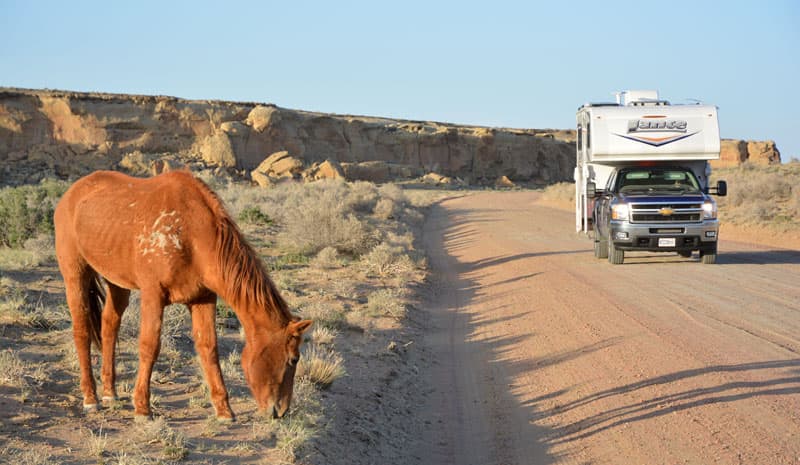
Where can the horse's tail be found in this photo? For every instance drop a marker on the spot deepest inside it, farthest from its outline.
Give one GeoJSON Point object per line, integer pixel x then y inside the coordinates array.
{"type": "Point", "coordinates": [97, 299]}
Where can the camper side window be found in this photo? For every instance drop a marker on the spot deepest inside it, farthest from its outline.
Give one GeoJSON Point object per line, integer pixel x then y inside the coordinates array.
{"type": "Point", "coordinates": [588, 135]}
{"type": "Point", "coordinates": [580, 138]}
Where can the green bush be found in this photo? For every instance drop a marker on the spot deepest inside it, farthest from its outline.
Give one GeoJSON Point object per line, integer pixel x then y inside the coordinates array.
{"type": "Point", "coordinates": [27, 211]}
{"type": "Point", "coordinates": [254, 215]}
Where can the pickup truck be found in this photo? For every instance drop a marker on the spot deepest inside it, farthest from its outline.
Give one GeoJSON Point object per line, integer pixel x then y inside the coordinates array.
{"type": "Point", "coordinates": [642, 172]}
{"type": "Point", "coordinates": [655, 209]}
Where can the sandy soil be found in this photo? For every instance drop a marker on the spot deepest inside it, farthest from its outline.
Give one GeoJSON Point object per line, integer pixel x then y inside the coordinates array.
{"type": "Point", "coordinates": [544, 354]}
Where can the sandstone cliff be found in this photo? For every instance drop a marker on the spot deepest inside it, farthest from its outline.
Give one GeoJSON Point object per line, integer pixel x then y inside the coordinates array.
{"type": "Point", "coordinates": [734, 152]}
{"type": "Point", "coordinates": [67, 134]}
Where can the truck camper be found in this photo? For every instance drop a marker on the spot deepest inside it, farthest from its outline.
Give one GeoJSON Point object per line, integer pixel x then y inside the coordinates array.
{"type": "Point", "coordinates": [641, 176]}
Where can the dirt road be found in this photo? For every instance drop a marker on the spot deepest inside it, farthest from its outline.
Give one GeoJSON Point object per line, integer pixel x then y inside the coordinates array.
{"type": "Point", "coordinates": [545, 354]}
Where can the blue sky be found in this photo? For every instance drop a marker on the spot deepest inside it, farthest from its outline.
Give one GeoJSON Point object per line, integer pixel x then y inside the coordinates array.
{"type": "Point", "coordinates": [512, 64]}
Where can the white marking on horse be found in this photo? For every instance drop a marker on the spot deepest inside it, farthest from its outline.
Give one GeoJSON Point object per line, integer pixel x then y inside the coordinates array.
{"type": "Point", "coordinates": [162, 235]}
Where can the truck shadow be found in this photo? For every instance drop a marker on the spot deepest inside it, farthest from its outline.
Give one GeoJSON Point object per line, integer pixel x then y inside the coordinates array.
{"type": "Point", "coordinates": [787, 383]}
{"type": "Point", "coordinates": [756, 257]}
{"type": "Point", "coordinates": [760, 257]}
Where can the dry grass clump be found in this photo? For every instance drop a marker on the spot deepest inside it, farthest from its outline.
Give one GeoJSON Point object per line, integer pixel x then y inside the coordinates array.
{"type": "Point", "coordinates": [16, 309]}
{"type": "Point", "coordinates": [16, 373]}
{"type": "Point", "coordinates": [158, 431]}
{"type": "Point", "coordinates": [292, 432]}
{"type": "Point", "coordinates": [28, 455]}
{"type": "Point", "coordinates": [96, 443]}
{"type": "Point", "coordinates": [323, 335]}
{"type": "Point", "coordinates": [12, 303]}
{"type": "Point", "coordinates": [560, 192]}
{"type": "Point", "coordinates": [33, 252]}
{"type": "Point", "coordinates": [231, 367]}
{"type": "Point", "coordinates": [320, 366]}
{"type": "Point", "coordinates": [761, 195]}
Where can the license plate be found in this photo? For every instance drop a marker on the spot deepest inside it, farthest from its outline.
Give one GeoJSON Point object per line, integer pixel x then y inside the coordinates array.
{"type": "Point", "coordinates": [666, 242]}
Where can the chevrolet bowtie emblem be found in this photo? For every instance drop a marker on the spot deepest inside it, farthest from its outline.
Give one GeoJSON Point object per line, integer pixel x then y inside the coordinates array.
{"type": "Point", "coordinates": [666, 211]}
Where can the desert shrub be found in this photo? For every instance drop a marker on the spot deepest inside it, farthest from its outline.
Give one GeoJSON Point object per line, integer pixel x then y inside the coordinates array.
{"type": "Point", "coordinates": [763, 195]}
{"type": "Point", "coordinates": [385, 260]}
{"type": "Point", "coordinates": [324, 314]}
{"type": "Point", "coordinates": [362, 196]}
{"type": "Point", "coordinates": [560, 192]}
{"type": "Point", "coordinates": [385, 302]}
{"type": "Point", "coordinates": [27, 211]}
{"type": "Point", "coordinates": [385, 209]}
{"type": "Point", "coordinates": [327, 258]}
{"type": "Point", "coordinates": [393, 192]}
{"type": "Point", "coordinates": [321, 218]}
{"type": "Point", "coordinates": [254, 215]}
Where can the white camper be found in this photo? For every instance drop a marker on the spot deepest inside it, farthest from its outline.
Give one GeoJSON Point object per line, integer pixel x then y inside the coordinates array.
{"type": "Point", "coordinates": [639, 129]}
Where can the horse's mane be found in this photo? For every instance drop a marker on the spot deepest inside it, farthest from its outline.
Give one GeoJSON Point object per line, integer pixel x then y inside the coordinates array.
{"type": "Point", "coordinates": [243, 274]}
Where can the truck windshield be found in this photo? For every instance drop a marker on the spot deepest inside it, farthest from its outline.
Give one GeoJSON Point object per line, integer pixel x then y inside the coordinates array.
{"type": "Point", "coordinates": [648, 180]}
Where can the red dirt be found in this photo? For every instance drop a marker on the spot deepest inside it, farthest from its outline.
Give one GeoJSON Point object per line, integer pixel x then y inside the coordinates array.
{"type": "Point", "coordinates": [546, 354]}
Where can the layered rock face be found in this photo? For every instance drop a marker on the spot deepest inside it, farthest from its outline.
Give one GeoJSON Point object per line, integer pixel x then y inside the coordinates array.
{"type": "Point", "coordinates": [734, 152]}
{"type": "Point", "coordinates": [68, 134]}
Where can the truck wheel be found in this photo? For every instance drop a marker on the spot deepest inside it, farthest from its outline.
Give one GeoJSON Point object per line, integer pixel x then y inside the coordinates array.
{"type": "Point", "coordinates": [709, 258]}
{"type": "Point", "coordinates": [615, 256]}
{"type": "Point", "coordinates": [685, 253]}
{"type": "Point", "coordinates": [600, 248]}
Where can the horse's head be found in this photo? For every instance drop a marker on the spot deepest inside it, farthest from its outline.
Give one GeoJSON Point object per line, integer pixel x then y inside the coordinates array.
{"type": "Point", "coordinates": [269, 365]}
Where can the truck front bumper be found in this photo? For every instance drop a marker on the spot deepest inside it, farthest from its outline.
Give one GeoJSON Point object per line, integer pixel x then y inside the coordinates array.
{"type": "Point", "coordinates": [648, 236]}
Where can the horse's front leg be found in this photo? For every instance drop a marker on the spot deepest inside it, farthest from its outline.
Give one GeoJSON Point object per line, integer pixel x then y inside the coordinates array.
{"type": "Point", "coordinates": [116, 301]}
{"type": "Point", "coordinates": [149, 346]}
{"type": "Point", "coordinates": [205, 342]}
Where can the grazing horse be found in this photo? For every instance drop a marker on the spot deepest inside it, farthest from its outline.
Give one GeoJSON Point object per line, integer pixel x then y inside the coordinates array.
{"type": "Point", "coordinates": [170, 237]}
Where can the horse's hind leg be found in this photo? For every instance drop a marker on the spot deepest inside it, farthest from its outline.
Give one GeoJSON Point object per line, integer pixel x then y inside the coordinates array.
{"type": "Point", "coordinates": [77, 280]}
{"type": "Point", "coordinates": [116, 302]}
{"type": "Point", "coordinates": [205, 343]}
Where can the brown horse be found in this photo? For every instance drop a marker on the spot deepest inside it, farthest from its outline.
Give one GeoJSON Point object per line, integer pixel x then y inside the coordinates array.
{"type": "Point", "coordinates": [170, 237]}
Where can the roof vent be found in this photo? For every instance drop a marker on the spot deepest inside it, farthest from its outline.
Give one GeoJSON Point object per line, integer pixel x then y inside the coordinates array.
{"type": "Point", "coordinates": [639, 98]}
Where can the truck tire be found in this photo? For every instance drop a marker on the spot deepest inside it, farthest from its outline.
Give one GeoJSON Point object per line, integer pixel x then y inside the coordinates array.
{"type": "Point", "coordinates": [709, 258]}
{"type": "Point", "coordinates": [685, 253]}
{"type": "Point", "coordinates": [600, 247]}
{"type": "Point", "coordinates": [615, 256]}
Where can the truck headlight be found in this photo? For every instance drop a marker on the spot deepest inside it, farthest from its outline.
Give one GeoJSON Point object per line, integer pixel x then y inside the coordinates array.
{"type": "Point", "coordinates": [619, 211]}
{"type": "Point", "coordinates": [709, 210]}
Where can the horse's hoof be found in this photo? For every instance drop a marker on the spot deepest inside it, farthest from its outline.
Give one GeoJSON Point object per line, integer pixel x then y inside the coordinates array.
{"type": "Point", "coordinates": [226, 420]}
{"type": "Point", "coordinates": [90, 408]}
{"type": "Point", "coordinates": [109, 399]}
{"type": "Point", "coordinates": [137, 418]}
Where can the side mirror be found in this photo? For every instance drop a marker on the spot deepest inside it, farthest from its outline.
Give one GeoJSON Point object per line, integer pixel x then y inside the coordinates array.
{"type": "Point", "coordinates": [591, 190]}
{"type": "Point", "coordinates": [722, 188]}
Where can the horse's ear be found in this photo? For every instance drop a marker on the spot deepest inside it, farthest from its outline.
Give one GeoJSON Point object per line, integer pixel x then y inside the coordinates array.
{"type": "Point", "coordinates": [297, 328]}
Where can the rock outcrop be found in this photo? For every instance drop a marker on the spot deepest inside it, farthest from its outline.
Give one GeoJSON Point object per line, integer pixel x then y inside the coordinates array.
{"type": "Point", "coordinates": [734, 152]}
{"type": "Point", "coordinates": [68, 134]}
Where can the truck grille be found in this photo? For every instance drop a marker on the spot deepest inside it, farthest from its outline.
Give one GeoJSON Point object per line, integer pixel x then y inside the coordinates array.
{"type": "Point", "coordinates": [663, 212]}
